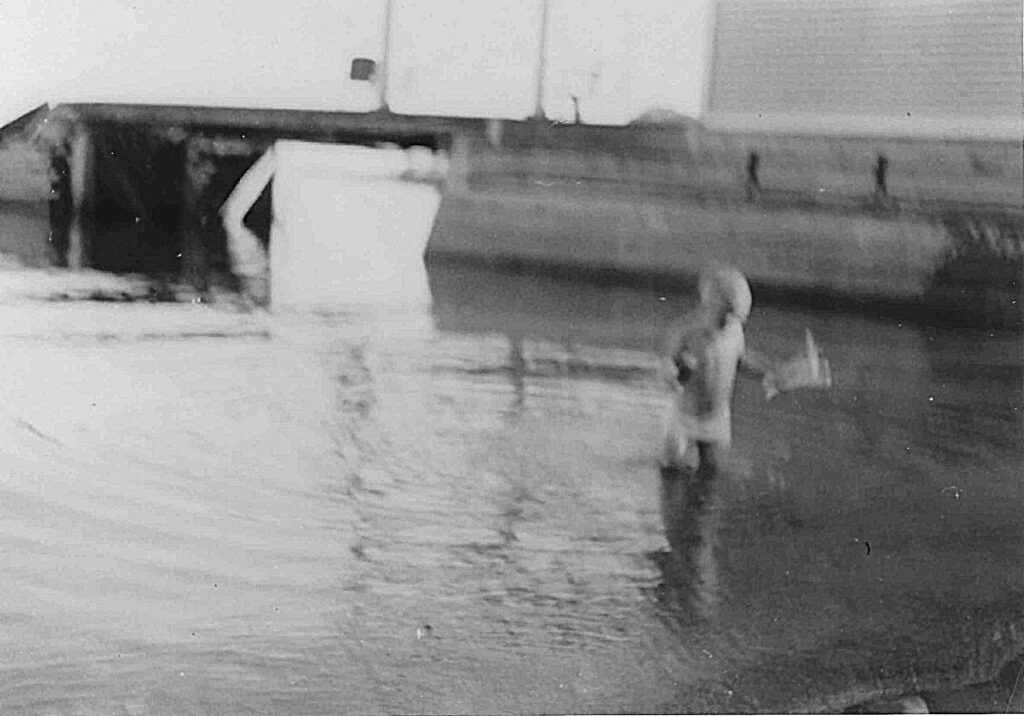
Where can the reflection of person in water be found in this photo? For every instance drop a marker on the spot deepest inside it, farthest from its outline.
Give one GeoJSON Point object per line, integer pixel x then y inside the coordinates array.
{"type": "Point", "coordinates": [690, 513]}
{"type": "Point", "coordinates": [704, 351]}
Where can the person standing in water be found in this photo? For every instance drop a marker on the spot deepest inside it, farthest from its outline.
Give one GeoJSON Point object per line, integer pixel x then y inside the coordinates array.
{"type": "Point", "coordinates": [703, 354]}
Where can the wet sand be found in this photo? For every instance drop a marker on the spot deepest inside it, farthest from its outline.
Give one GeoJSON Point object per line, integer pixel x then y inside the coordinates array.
{"type": "Point", "coordinates": [452, 506]}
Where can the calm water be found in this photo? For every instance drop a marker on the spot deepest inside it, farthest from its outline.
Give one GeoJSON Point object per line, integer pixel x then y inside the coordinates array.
{"type": "Point", "coordinates": [451, 505]}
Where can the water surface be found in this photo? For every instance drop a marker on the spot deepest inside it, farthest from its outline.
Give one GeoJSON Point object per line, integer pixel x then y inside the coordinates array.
{"type": "Point", "coordinates": [451, 505]}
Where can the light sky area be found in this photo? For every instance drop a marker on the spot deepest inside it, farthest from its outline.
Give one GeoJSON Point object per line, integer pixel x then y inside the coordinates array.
{"type": "Point", "coordinates": [451, 57]}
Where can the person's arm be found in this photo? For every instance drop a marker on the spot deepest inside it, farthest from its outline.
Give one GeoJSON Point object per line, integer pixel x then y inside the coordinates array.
{"type": "Point", "coordinates": [754, 364]}
{"type": "Point", "coordinates": [760, 366]}
{"type": "Point", "coordinates": [808, 370]}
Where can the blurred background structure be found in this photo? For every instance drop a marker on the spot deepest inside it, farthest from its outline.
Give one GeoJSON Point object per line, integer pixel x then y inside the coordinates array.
{"type": "Point", "coordinates": [914, 68]}
{"type": "Point", "coordinates": [887, 136]}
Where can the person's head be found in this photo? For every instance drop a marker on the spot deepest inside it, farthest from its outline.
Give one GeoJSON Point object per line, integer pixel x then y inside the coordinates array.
{"type": "Point", "coordinates": [724, 290]}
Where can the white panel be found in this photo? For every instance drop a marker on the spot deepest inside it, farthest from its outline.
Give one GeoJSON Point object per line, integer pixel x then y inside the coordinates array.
{"type": "Point", "coordinates": [346, 228]}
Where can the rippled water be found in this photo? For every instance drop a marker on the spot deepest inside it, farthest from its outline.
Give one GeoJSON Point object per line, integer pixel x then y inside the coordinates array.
{"type": "Point", "coordinates": [453, 506]}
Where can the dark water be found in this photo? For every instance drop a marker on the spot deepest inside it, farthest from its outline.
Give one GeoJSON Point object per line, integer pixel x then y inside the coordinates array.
{"type": "Point", "coordinates": [452, 506]}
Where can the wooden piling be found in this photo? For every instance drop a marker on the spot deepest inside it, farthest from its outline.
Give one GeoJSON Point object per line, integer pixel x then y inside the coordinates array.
{"type": "Point", "coordinates": [199, 170]}
{"type": "Point", "coordinates": [81, 166]}
{"type": "Point", "coordinates": [59, 203]}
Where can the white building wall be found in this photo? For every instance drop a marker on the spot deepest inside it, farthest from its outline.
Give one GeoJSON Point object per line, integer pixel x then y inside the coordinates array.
{"type": "Point", "coordinates": [899, 67]}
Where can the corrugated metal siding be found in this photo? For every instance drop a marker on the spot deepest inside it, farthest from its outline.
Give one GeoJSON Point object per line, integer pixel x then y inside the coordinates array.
{"type": "Point", "coordinates": [943, 63]}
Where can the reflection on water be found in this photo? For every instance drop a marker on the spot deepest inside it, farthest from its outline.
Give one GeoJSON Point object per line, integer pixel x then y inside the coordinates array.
{"type": "Point", "coordinates": [479, 300]}
{"type": "Point", "coordinates": [690, 512]}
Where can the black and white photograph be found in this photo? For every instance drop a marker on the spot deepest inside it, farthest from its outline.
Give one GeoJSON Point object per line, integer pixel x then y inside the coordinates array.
{"type": "Point", "coordinates": [398, 357]}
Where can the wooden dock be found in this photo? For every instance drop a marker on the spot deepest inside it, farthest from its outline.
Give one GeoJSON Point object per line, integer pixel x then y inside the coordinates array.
{"type": "Point", "coordinates": [137, 188]}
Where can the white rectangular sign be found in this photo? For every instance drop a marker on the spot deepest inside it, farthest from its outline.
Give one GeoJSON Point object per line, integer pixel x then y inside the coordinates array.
{"type": "Point", "coordinates": [346, 228]}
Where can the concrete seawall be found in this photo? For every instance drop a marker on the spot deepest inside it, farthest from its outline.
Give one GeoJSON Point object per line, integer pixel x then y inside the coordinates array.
{"type": "Point", "coordinates": [663, 201]}
{"type": "Point", "coordinates": [817, 170]}
{"type": "Point", "coordinates": [877, 259]}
